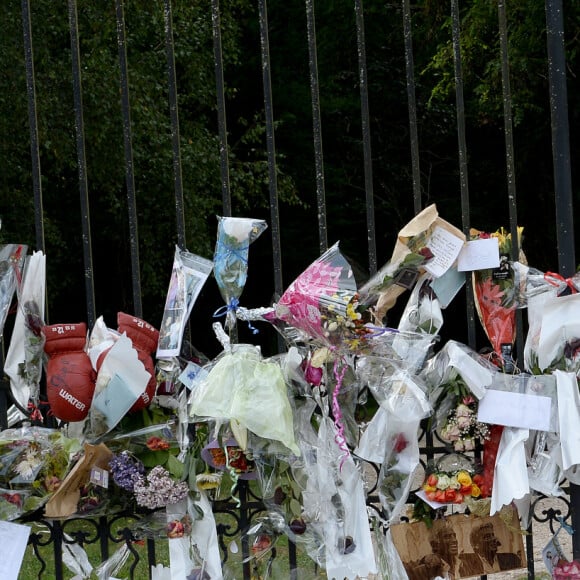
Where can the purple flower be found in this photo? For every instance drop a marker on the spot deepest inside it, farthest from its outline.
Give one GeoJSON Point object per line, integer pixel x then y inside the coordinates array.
{"type": "Point", "coordinates": [159, 489]}
{"type": "Point", "coordinates": [126, 470]}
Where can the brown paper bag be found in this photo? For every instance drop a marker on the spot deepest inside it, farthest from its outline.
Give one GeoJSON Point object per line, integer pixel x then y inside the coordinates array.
{"type": "Point", "coordinates": [64, 501]}
{"type": "Point", "coordinates": [460, 546]}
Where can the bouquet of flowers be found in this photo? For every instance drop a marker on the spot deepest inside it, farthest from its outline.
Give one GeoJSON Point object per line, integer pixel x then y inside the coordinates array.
{"type": "Point", "coordinates": [496, 297]}
{"type": "Point", "coordinates": [419, 249]}
{"type": "Point", "coordinates": [145, 464]}
{"type": "Point", "coordinates": [12, 257]}
{"type": "Point", "coordinates": [33, 463]}
{"type": "Point", "coordinates": [462, 428]}
{"type": "Point", "coordinates": [323, 304]}
{"type": "Point", "coordinates": [453, 480]}
{"type": "Point", "coordinates": [231, 259]}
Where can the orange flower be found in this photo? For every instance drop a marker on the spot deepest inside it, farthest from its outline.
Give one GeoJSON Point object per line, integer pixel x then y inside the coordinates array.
{"type": "Point", "coordinates": [157, 444]}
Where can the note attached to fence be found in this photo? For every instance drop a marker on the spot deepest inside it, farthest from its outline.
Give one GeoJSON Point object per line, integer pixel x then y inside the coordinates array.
{"type": "Point", "coordinates": [515, 410]}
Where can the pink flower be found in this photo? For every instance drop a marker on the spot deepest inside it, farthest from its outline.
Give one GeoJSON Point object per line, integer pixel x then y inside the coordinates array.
{"type": "Point", "coordinates": [463, 422]}
{"type": "Point", "coordinates": [313, 375]}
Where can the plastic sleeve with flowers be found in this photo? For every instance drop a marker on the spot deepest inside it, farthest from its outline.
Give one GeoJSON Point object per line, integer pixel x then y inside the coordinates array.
{"type": "Point", "coordinates": [398, 466]}
{"type": "Point", "coordinates": [244, 387]}
{"type": "Point", "coordinates": [193, 543]}
{"type": "Point", "coordinates": [422, 312]}
{"type": "Point", "coordinates": [12, 258]}
{"type": "Point", "coordinates": [25, 356]}
{"type": "Point", "coordinates": [334, 502]}
{"type": "Point", "coordinates": [510, 480]}
{"type": "Point", "coordinates": [34, 461]}
{"type": "Point", "coordinates": [496, 298]}
{"type": "Point", "coordinates": [414, 253]}
{"type": "Point", "coordinates": [234, 236]}
{"type": "Point", "coordinates": [456, 370]}
{"type": "Point", "coordinates": [322, 303]}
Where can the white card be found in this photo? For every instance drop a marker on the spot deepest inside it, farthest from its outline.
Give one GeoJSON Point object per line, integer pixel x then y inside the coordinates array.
{"type": "Point", "coordinates": [515, 410]}
{"type": "Point", "coordinates": [13, 539]}
{"type": "Point", "coordinates": [445, 248]}
{"type": "Point", "coordinates": [479, 255]}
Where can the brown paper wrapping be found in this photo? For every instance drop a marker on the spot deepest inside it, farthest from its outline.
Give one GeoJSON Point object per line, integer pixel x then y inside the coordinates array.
{"type": "Point", "coordinates": [63, 503]}
{"type": "Point", "coordinates": [410, 239]}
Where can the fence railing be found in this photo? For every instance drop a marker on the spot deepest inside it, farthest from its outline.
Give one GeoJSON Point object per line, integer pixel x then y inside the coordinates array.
{"type": "Point", "coordinates": [237, 516]}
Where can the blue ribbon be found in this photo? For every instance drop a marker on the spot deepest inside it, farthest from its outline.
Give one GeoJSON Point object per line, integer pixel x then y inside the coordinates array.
{"type": "Point", "coordinates": [231, 307]}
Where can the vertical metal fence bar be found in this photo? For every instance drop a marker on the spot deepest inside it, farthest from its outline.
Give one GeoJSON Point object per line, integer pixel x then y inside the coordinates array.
{"type": "Point", "coordinates": [512, 206]}
{"type": "Point", "coordinates": [560, 137]}
{"type": "Point", "coordinates": [82, 163]}
{"type": "Point", "coordinates": [270, 146]}
{"type": "Point", "coordinates": [221, 107]}
{"type": "Point", "coordinates": [562, 179]}
{"type": "Point", "coordinates": [316, 126]}
{"type": "Point", "coordinates": [510, 155]}
{"type": "Point", "coordinates": [412, 105]}
{"type": "Point", "coordinates": [33, 125]}
{"type": "Point", "coordinates": [463, 179]}
{"type": "Point", "coordinates": [129, 168]}
{"type": "Point", "coordinates": [174, 117]}
{"type": "Point", "coordinates": [366, 135]}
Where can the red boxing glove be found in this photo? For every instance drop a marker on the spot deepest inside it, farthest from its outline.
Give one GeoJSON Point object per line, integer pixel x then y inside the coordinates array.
{"type": "Point", "coordinates": [144, 338]}
{"type": "Point", "coordinates": [70, 378]}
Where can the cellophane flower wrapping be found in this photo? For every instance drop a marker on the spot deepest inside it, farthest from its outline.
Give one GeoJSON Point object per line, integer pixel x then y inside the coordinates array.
{"type": "Point", "coordinates": [145, 467]}
{"type": "Point", "coordinates": [244, 387]}
{"type": "Point", "coordinates": [510, 480]}
{"type": "Point", "coordinates": [398, 466]}
{"type": "Point", "coordinates": [188, 275]}
{"type": "Point", "coordinates": [545, 473]}
{"type": "Point", "coordinates": [193, 543]}
{"type": "Point", "coordinates": [33, 463]}
{"type": "Point", "coordinates": [334, 506]}
{"type": "Point", "coordinates": [25, 356]}
{"type": "Point", "coordinates": [454, 372]}
{"type": "Point", "coordinates": [411, 257]}
{"type": "Point", "coordinates": [12, 258]}
{"type": "Point", "coordinates": [422, 312]}
{"type": "Point", "coordinates": [234, 236]}
{"type": "Point", "coordinates": [322, 303]}
{"type": "Point", "coordinates": [496, 298]}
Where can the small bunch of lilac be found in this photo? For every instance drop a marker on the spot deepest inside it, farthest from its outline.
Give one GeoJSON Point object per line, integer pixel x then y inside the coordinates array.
{"type": "Point", "coordinates": [159, 489]}
{"type": "Point", "coordinates": [126, 470]}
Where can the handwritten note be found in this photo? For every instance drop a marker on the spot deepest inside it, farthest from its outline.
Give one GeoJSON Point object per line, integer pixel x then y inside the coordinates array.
{"type": "Point", "coordinates": [445, 248]}
{"type": "Point", "coordinates": [13, 541]}
{"type": "Point", "coordinates": [479, 255]}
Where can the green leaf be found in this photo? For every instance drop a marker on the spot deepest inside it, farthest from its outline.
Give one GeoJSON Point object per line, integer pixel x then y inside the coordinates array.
{"type": "Point", "coordinates": [295, 507]}
{"type": "Point", "coordinates": [153, 458]}
{"type": "Point", "coordinates": [175, 467]}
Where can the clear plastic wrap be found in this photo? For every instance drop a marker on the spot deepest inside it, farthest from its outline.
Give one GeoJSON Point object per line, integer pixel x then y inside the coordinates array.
{"type": "Point", "coordinates": [234, 236]}
{"type": "Point", "coordinates": [188, 276]}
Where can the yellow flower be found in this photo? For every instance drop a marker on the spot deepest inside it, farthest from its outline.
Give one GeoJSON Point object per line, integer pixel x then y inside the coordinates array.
{"type": "Point", "coordinates": [428, 488]}
{"type": "Point", "coordinates": [475, 491]}
{"type": "Point", "coordinates": [464, 478]}
{"type": "Point", "coordinates": [207, 481]}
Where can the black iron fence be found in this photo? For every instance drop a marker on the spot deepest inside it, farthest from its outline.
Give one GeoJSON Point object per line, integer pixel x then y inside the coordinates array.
{"type": "Point", "coordinates": [103, 532]}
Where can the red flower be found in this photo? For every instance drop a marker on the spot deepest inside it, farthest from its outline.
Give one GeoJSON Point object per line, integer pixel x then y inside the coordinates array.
{"type": "Point", "coordinates": [400, 443]}
{"type": "Point", "coordinates": [157, 444]}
